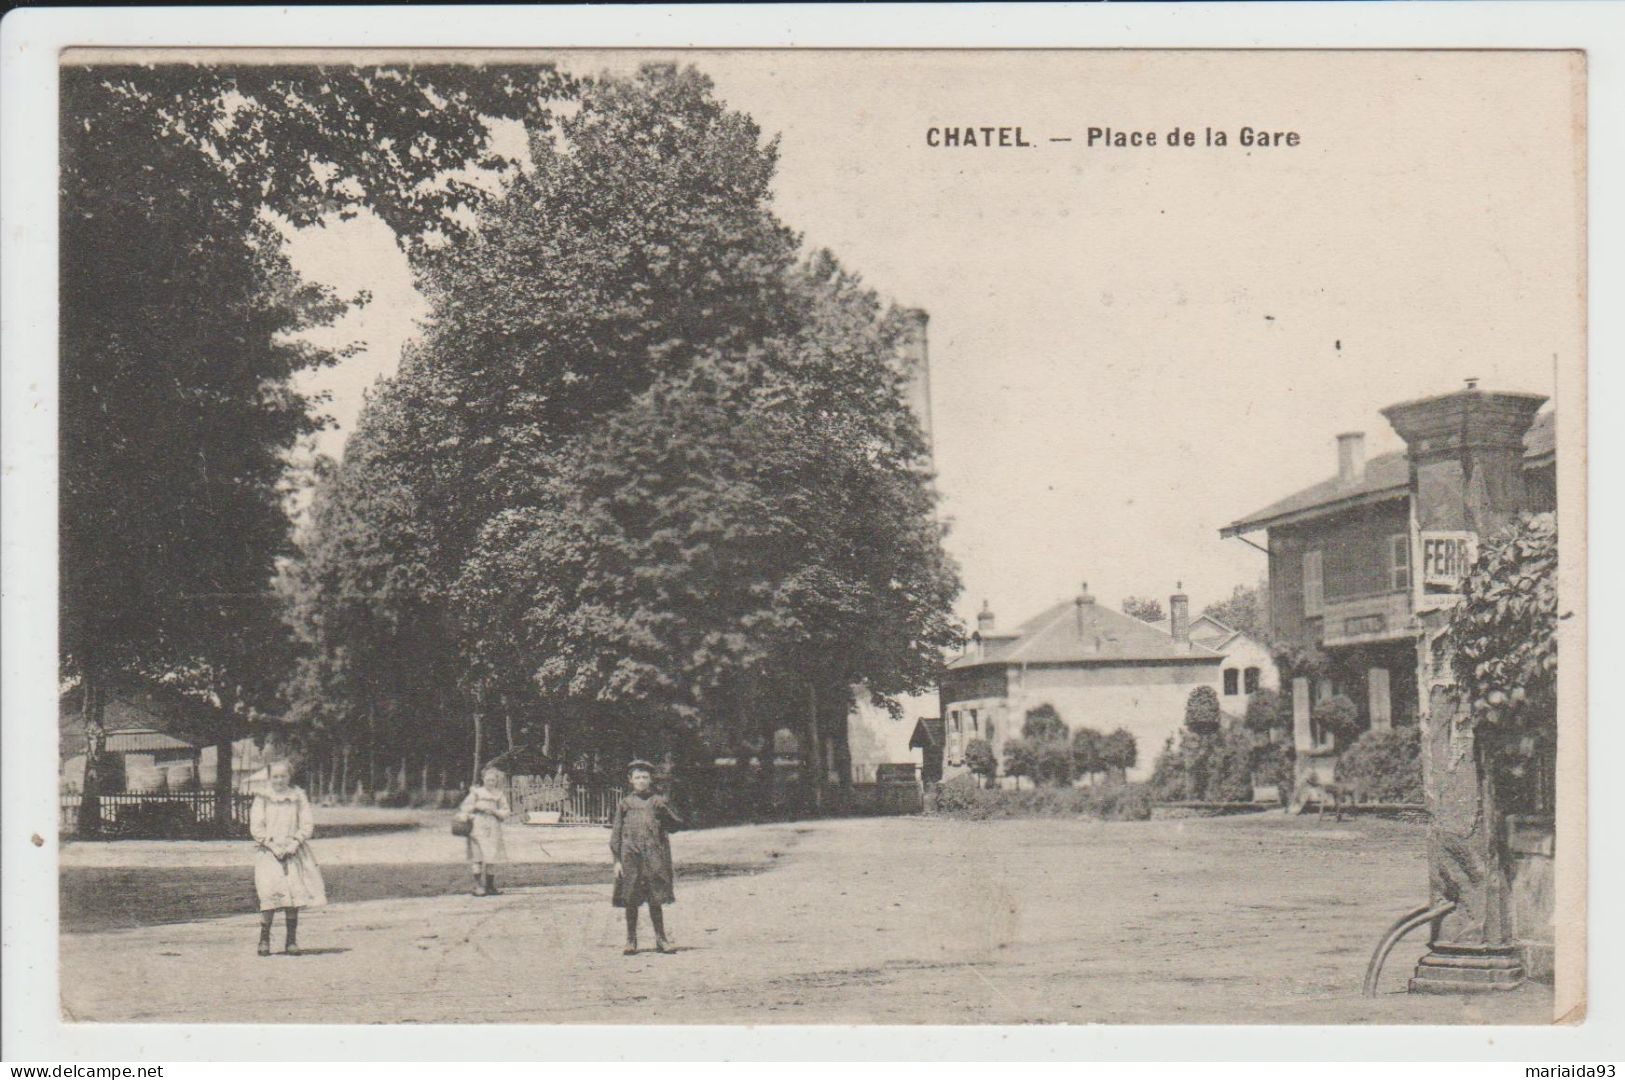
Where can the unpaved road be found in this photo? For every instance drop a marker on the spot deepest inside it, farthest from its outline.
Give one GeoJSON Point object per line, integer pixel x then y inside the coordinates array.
{"type": "Point", "coordinates": [1261, 919]}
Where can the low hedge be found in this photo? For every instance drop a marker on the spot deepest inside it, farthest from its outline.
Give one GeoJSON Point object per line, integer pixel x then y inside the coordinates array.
{"type": "Point", "coordinates": [1114, 801]}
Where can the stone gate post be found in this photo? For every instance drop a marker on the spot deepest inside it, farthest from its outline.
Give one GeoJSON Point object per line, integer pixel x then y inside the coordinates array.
{"type": "Point", "coordinates": [1466, 455]}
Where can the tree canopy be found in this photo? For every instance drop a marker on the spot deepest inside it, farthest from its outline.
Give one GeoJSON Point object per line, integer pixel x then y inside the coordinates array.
{"type": "Point", "coordinates": [1145, 608]}
{"type": "Point", "coordinates": [1246, 609]}
{"type": "Point", "coordinates": [649, 469]}
{"type": "Point", "coordinates": [180, 316]}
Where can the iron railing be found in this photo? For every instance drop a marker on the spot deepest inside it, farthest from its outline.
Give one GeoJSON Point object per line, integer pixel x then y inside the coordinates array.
{"type": "Point", "coordinates": [152, 815]}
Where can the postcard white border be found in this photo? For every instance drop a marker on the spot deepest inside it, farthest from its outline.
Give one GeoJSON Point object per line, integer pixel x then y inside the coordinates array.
{"type": "Point", "coordinates": [29, 43]}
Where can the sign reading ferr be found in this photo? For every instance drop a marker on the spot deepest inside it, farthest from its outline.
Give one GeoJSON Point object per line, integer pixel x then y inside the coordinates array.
{"type": "Point", "coordinates": [1447, 556]}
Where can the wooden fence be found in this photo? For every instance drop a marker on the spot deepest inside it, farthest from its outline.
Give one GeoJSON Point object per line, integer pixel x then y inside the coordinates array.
{"type": "Point", "coordinates": [574, 804]}
{"type": "Point", "coordinates": [152, 816]}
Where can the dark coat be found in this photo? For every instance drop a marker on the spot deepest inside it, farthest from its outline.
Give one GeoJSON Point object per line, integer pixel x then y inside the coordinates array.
{"type": "Point", "coordinates": [639, 843]}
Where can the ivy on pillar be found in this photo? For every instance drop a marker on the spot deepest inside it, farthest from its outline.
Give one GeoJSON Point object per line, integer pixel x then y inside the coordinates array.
{"type": "Point", "coordinates": [1466, 456]}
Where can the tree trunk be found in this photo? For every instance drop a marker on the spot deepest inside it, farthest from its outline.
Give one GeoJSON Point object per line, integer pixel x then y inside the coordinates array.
{"type": "Point", "coordinates": [766, 769]}
{"type": "Point", "coordinates": [507, 720]}
{"type": "Point", "coordinates": [372, 748]}
{"type": "Point", "coordinates": [478, 738]}
{"type": "Point", "coordinates": [344, 773]}
{"type": "Point", "coordinates": [812, 755]}
{"type": "Point", "coordinates": [223, 785]}
{"type": "Point", "coordinates": [841, 736]}
{"type": "Point", "coordinates": [90, 808]}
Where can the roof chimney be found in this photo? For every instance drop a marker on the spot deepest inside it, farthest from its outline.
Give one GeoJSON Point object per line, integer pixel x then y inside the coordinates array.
{"type": "Point", "coordinates": [984, 619]}
{"type": "Point", "coordinates": [1083, 600]}
{"type": "Point", "coordinates": [1351, 457]}
{"type": "Point", "coordinates": [1179, 615]}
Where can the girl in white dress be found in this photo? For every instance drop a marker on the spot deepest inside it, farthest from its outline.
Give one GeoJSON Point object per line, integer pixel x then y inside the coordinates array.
{"type": "Point", "coordinates": [285, 872]}
{"type": "Point", "coordinates": [487, 807]}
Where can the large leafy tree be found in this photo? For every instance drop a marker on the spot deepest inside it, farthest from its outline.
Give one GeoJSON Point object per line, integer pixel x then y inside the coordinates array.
{"type": "Point", "coordinates": [663, 471]}
{"type": "Point", "coordinates": [737, 546]}
{"type": "Point", "coordinates": [180, 317]}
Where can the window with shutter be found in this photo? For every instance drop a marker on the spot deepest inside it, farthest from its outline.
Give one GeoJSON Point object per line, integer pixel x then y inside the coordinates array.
{"type": "Point", "coordinates": [1314, 583]}
{"type": "Point", "coordinates": [1399, 562]}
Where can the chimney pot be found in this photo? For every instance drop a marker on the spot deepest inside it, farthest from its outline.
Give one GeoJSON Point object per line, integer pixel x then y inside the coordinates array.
{"type": "Point", "coordinates": [984, 619]}
{"type": "Point", "coordinates": [1351, 457]}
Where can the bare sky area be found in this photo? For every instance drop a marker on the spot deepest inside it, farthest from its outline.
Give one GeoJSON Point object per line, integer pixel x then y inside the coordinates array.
{"type": "Point", "coordinates": [1132, 347]}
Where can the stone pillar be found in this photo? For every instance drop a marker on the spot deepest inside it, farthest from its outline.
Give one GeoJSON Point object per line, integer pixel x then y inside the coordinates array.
{"type": "Point", "coordinates": [1303, 736]}
{"type": "Point", "coordinates": [1379, 700]}
{"type": "Point", "coordinates": [1466, 456]}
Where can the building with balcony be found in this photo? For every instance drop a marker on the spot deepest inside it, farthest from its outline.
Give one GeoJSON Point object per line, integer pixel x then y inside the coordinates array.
{"type": "Point", "coordinates": [1350, 570]}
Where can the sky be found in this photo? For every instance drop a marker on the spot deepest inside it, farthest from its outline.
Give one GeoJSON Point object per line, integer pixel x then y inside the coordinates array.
{"type": "Point", "coordinates": [1132, 347]}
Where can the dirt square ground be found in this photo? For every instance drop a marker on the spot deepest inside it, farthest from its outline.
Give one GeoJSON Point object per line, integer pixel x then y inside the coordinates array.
{"type": "Point", "coordinates": [1257, 919]}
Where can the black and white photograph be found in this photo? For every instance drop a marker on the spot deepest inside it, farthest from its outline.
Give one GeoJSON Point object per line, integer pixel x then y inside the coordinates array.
{"type": "Point", "coordinates": [820, 536]}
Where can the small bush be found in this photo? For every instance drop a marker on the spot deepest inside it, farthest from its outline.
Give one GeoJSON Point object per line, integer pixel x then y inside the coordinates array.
{"type": "Point", "coordinates": [961, 798]}
{"type": "Point", "coordinates": [1202, 714]}
{"type": "Point", "coordinates": [980, 759]}
{"type": "Point", "coordinates": [1339, 717]}
{"type": "Point", "coordinates": [1266, 710]}
{"type": "Point", "coordinates": [1385, 766]}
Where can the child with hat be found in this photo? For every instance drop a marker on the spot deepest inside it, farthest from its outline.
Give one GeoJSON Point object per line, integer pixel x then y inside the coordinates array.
{"type": "Point", "coordinates": [642, 850]}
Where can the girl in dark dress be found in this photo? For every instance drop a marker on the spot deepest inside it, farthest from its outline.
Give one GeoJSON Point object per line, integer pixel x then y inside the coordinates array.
{"type": "Point", "coordinates": [642, 852]}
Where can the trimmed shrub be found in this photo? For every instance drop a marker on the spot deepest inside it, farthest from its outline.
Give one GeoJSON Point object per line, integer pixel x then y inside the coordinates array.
{"type": "Point", "coordinates": [980, 759]}
{"type": "Point", "coordinates": [1119, 751]}
{"type": "Point", "coordinates": [1266, 710]}
{"type": "Point", "coordinates": [1339, 717]}
{"type": "Point", "coordinates": [1385, 766]}
{"type": "Point", "coordinates": [1202, 714]}
{"type": "Point", "coordinates": [1044, 724]}
{"type": "Point", "coordinates": [1043, 761]}
{"type": "Point", "coordinates": [1088, 751]}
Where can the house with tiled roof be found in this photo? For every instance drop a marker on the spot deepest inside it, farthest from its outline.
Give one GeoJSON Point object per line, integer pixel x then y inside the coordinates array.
{"type": "Point", "coordinates": [1096, 666]}
{"type": "Point", "coordinates": [1349, 569]}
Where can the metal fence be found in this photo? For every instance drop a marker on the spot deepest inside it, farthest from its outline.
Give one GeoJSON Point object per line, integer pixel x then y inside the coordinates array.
{"type": "Point", "coordinates": [148, 815]}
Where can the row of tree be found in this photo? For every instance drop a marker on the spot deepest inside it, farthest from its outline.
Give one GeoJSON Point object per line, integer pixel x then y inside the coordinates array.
{"type": "Point", "coordinates": [646, 481]}
{"type": "Point", "coordinates": [180, 338]}
{"type": "Point", "coordinates": [1049, 753]}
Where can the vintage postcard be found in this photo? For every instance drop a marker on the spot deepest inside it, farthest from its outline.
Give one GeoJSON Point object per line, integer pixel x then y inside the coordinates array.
{"type": "Point", "coordinates": [802, 536]}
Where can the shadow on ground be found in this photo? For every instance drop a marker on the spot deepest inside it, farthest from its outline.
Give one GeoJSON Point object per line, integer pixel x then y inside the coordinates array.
{"type": "Point", "coordinates": [93, 899]}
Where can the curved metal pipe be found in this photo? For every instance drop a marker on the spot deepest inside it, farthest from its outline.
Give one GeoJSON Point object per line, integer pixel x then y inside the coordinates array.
{"type": "Point", "coordinates": [1404, 925]}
